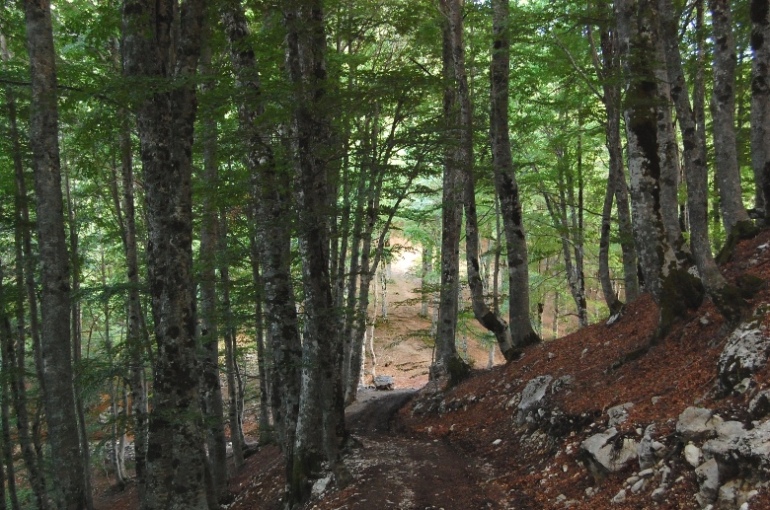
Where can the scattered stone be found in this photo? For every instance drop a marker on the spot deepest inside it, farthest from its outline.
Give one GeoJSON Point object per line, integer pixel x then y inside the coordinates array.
{"type": "Point", "coordinates": [618, 414]}
{"type": "Point", "coordinates": [639, 486]}
{"type": "Point", "coordinates": [646, 472]}
{"type": "Point", "coordinates": [591, 492]}
{"type": "Point", "coordinates": [646, 452]}
{"type": "Point", "coordinates": [384, 383]}
{"type": "Point", "coordinates": [620, 497]}
{"type": "Point", "coordinates": [658, 494]}
{"type": "Point", "coordinates": [743, 386]}
{"type": "Point", "coordinates": [496, 442]}
{"type": "Point", "coordinates": [655, 400]}
{"type": "Point", "coordinates": [692, 454]}
{"type": "Point", "coordinates": [320, 486]}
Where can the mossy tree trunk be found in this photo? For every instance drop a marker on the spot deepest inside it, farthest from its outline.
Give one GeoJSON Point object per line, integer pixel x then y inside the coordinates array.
{"type": "Point", "coordinates": [162, 42]}
{"type": "Point", "coordinates": [662, 262]}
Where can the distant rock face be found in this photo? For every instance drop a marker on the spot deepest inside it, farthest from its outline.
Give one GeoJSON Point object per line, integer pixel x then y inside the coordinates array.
{"type": "Point", "coordinates": [384, 383]}
{"type": "Point", "coordinates": [745, 353]}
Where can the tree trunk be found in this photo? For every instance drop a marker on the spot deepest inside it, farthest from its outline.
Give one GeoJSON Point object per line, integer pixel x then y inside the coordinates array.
{"type": "Point", "coordinates": [322, 348]}
{"type": "Point", "coordinates": [672, 287]}
{"type": "Point", "coordinates": [136, 340]}
{"type": "Point", "coordinates": [760, 104]}
{"type": "Point", "coordinates": [8, 368]}
{"type": "Point", "coordinates": [427, 269]}
{"type": "Point", "coordinates": [265, 426]}
{"type": "Point", "coordinates": [69, 482]}
{"type": "Point", "coordinates": [162, 42]}
{"type": "Point", "coordinates": [464, 161]}
{"type": "Point", "coordinates": [231, 364]}
{"type": "Point", "coordinates": [696, 170]}
{"type": "Point", "coordinates": [271, 188]}
{"type": "Point", "coordinates": [24, 286]}
{"type": "Point", "coordinates": [211, 389]}
{"type": "Point", "coordinates": [451, 220]}
{"type": "Point", "coordinates": [723, 104]}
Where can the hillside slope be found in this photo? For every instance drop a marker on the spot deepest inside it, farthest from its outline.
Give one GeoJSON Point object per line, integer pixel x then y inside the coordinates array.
{"type": "Point", "coordinates": [594, 420]}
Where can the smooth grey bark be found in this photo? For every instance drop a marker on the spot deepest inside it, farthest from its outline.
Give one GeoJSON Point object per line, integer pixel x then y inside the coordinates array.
{"type": "Point", "coordinates": [760, 104]}
{"type": "Point", "coordinates": [265, 426]}
{"type": "Point", "coordinates": [672, 287]}
{"type": "Point", "coordinates": [696, 170]}
{"type": "Point", "coordinates": [322, 346]}
{"type": "Point", "coordinates": [507, 188]}
{"type": "Point", "coordinates": [273, 224]}
{"type": "Point", "coordinates": [451, 221]}
{"type": "Point", "coordinates": [488, 318]}
{"type": "Point", "coordinates": [25, 286]}
{"type": "Point", "coordinates": [611, 84]}
{"type": "Point", "coordinates": [162, 45]}
{"type": "Point", "coordinates": [723, 106]}
{"type": "Point", "coordinates": [211, 389]}
{"type": "Point", "coordinates": [67, 462]}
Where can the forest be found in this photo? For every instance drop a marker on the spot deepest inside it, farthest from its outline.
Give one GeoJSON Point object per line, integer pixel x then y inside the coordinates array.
{"type": "Point", "coordinates": [197, 199]}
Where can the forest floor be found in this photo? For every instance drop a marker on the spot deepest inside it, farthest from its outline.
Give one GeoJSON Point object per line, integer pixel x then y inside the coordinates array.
{"type": "Point", "coordinates": [471, 453]}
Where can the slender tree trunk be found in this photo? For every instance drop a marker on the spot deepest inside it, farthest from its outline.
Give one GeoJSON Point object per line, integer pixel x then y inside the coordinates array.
{"type": "Point", "coordinates": [211, 390]}
{"type": "Point", "coordinates": [77, 333]}
{"type": "Point", "coordinates": [451, 220]}
{"type": "Point", "coordinates": [69, 482]}
{"type": "Point", "coordinates": [24, 284]}
{"type": "Point", "coordinates": [723, 103]}
{"type": "Point", "coordinates": [271, 188]}
{"type": "Point", "coordinates": [8, 369]}
{"type": "Point", "coordinates": [231, 363]}
{"type": "Point", "coordinates": [162, 42]}
{"type": "Point", "coordinates": [760, 104]}
{"type": "Point", "coordinates": [427, 269]}
{"type": "Point", "coordinates": [135, 334]}
{"type": "Point", "coordinates": [464, 160]}
{"type": "Point", "coordinates": [265, 426]}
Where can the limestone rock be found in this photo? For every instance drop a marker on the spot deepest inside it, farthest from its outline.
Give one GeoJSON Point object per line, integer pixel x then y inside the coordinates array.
{"type": "Point", "coordinates": [609, 452]}
{"type": "Point", "coordinates": [384, 383]}
{"type": "Point", "coordinates": [692, 455]}
{"type": "Point", "coordinates": [618, 414]}
{"type": "Point", "coordinates": [708, 478]}
{"type": "Point", "coordinates": [759, 407]}
{"type": "Point", "coordinates": [532, 398]}
{"type": "Point", "coordinates": [745, 353]}
{"type": "Point", "coordinates": [697, 423]}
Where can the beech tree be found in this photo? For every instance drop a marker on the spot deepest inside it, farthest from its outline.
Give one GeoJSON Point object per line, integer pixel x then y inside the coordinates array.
{"type": "Point", "coordinates": [69, 480]}
{"type": "Point", "coordinates": [161, 51]}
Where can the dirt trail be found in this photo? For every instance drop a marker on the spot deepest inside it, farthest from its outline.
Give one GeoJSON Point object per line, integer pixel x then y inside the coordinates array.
{"type": "Point", "coordinates": [393, 471]}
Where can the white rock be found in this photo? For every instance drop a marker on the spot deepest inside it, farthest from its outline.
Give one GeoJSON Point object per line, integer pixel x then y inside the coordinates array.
{"type": "Point", "coordinates": [646, 472]}
{"type": "Point", "coordinates": [745, 353]}
{"type": "Point", "coordinates": [320, 486]}
{"type": "Point", "coordinates": [618, 414]}
{"type": "Point", "coordinates": [692, 455]}
{"type": "Point", "coordinates": [708, 478]}
{"type": "Point", "coordinates": [638, 486]}
{"type": "Point", "coordinates": [619, 497]}
{"type": "Point", "coordinates": [697, 423]}
{"type": "Point", "coordinates": [658, 494]}
{"type": "Point", "coordinates": [496, 442]}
